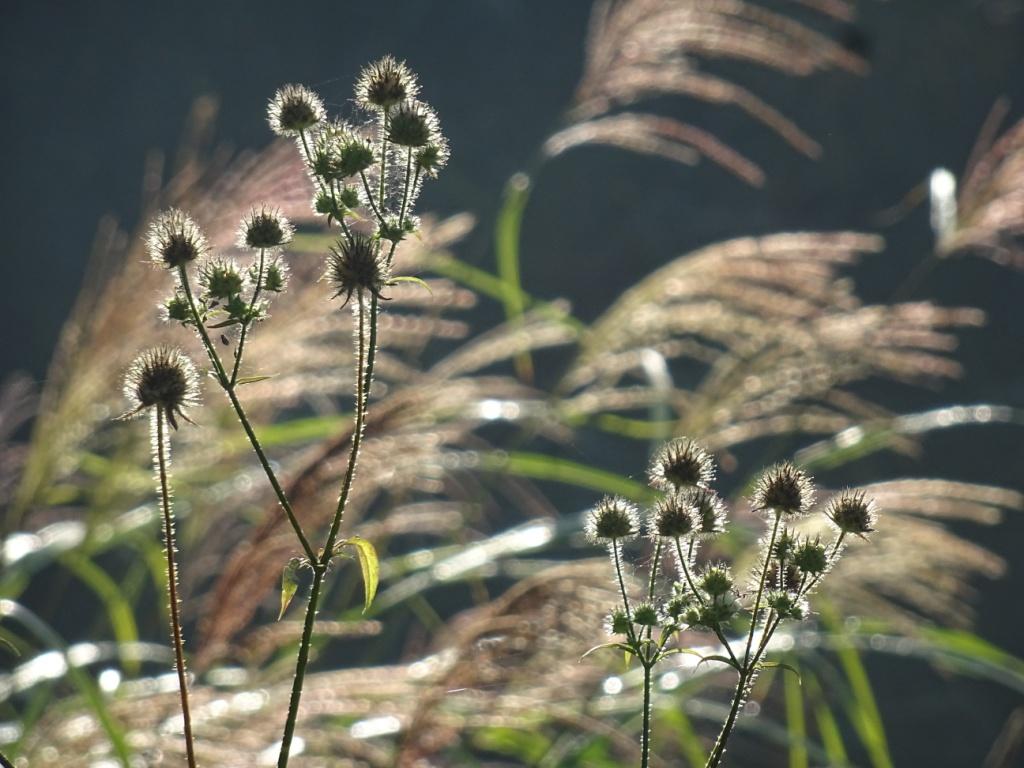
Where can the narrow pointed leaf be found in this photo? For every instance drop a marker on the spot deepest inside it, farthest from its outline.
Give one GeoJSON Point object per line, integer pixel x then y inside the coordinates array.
{"type": "Point", "coordinates": [412, 279]}
{"type": "Point", "coordinates": [251, 379]}
{"type": "Point", "coordinates": [370, 567]}
{"type": "Point", "coordinates": [620, 646]}
{"type": "Point", "coordinates": [289, 584]}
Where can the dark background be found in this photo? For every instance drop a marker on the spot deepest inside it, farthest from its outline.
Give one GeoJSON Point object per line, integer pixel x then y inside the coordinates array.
{"type": "Point", "coordinates": [89, 88]}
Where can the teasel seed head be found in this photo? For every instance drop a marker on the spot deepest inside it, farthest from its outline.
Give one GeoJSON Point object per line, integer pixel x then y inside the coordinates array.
{"type": "Point", "coordinates": [785, 545]}
{"type": "Point", "coordinates": [174, 239]}
{"type": "Point", "coordinates": [355, 155]}
{"type": "Point", "coordinates": [785, 489]}
{"type": "Point", "coordinates": [852, 512]}
{"type": "Point", "coordinates": [787, 605]}
{"type": "Point", "coordinates": [673, 517]}
{"type": "Point", "coordinates": [275, 275]}
{"type": "Point", "coordinates": [220, 279]}
{"type": "Point", "coordinates": [412, 124]}
{"type": "Point", "coordinates": [715, 612]}
{"type": "Point", "coordinates": [356, 266]}
{"type": "Point", "coordinates": [681, 463]}
{"type": "Point", "coordinates": [646, 615]}
{"type": "Point", "coordinates": [613, 519]}
{"type": "Point", "coordinates": [709, 510]}
{"type": "Point", "coordinates": [176, 309]}
{"type": "Point", "coordinates": [385, 83]}
{"type": "Point", "coordinates": [617, 623]}
{"type": "Point", "coordinates": [294, 108]}
{"type": "Point", "coordinates": [433, 157]}
{"type": "Point", "coordinates": [716, 580]}
{"type": "Point", "coordinates": [264, 227]}
{"type": "Point", "coordinates": [810, 557]}
{"type": "Point", "coordinates": [163, 378]}
{"type": "Point", "coordinates": [680, 601]}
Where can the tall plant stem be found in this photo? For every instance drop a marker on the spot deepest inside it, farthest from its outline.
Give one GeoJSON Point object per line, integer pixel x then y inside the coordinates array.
{"type": "Point", "coordinates": [645, 738]}
{"type": "Point", "coordinates": [229, 389]}
{"type": "Point", "coordinates": [748, 671]}
{"type": "Point", "coordinates": [240, 348]}
{"type": "Point", "coordinates": [364, 374]}
{"type": "Point", "coordinates": [162, 460]}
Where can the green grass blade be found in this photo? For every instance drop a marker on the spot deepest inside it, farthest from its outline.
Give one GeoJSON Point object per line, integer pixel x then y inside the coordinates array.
{"type": "Point", "coordinates": [794, 698]}
{"type": "Point", "coordinates": [540, 467]}
{"type": "Point", "coordinates": [506, 249]}
{"type": "Point", "coordinates": [119, 610]}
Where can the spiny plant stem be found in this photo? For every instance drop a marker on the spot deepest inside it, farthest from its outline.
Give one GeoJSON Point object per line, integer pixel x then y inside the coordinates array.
{"type": "Point", "coordinates": [319, 571]}
{"type": "Point", "coordinates": [228, 388]}
{"type": "Point", "coordinates": [248, 321]}
{"type": "Point", "coordinates": [162, 460]}
{"type": "Point", "coordinates": [645, 738]}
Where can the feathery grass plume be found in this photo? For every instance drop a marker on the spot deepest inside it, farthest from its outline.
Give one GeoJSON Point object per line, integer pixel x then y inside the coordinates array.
{"type": "Point", "coordinates": [174, 240]}
{"type": "Point", "coordinates": [294, 109]}
{"type": "Point", "coordinates": [644, 49]}
{"type": "Point", "coordinates": [986, 217]}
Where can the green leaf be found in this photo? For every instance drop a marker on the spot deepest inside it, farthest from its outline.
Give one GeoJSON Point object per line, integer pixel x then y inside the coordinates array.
{"type": "Point", "coordinates": [251, 379]}
{"type": "Point", "coordinates": [780, 665]}
{"type": "Point", "coordinates": [795, 720]}
{"type": "Point", "coordinates": [506, 248]}
{"type": "Point", "coordinates": [537, 466]}
{"type": "Point", "coordinates": [289, 584]}
{"type": "Point", "coordinates": [619, 646]}
{"type": "Point", "coordinates": [369, 565]}
{"type": "Point", "coordinates": [412, 279]}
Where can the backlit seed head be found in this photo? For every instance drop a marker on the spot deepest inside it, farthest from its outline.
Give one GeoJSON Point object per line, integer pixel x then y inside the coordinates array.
{"type": "Point", "coordinates": [715, 612]}
{"type": "Point", "coordinates": [673, 517]}
{"type": "Point", "coordinates": [810, 557]}
{"type": "Point", "coordinates": [349, 197]}
{"type": "Point", "coordinates": [680, 601]}
{"type": "Point", "coordinates": [220, 279]}
{"type": "Point", "coordinates": [412, 124]}
{"type": "Point", "coordinates": [785, 545]}
{"type": "Point", "coordinates": [174, 239]}
{"type": "Point", "coordinates": [264, 227]}
{"type": "Point", "coordinates": [431, 158]}
{"type": "Point", "coordinates": [709, 510]}
{"type": "Point", "coordinates": [785, 489]}
{"type": "Point", "coordinates": [355, 155]}
{"type": "Point", "coordinates": [852, 512]}
{"type": "Point", "coordinates": [617, 623]}
{"type": "Point", "coordinates": [681, 463]}
{"type": "Point", "coordinates": [385, 83]}
{"type": "Point", "coordinates": [176, 309]}
{"type": "Point", "coordinates": [275, 275]}
{"type": "Point", "coordinates": [356, 266]}
{"type": "Point", "coordinates": [786, 605]}
{"type": "Point", "coordinates": [294, 109]}
{"type": "Point", "coordinates": [162, 378]}
{"type": "Point", "coordinates": [716, 580]}
{"type": "Point", "coordinates": [613, 519]}
{"type": "Point", "coordinates": [646, 615]}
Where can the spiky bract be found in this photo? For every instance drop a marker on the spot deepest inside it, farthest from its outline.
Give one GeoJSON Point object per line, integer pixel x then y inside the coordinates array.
{"type": "Point", "coordinates": [174, 239]}
{"type": "Point", "coordinates": [355, 266]}
{"type": "Point", "coordinates": [852, 512]}
{"type": "Point", "coordinates": [681, 463]}
{"type": "Point", "coordinates": [294, 108]}
{"type": "Point", "coordinates": [613, 519]}
{"type": "Point", "coordinates": [785, 489]}
{"type": "Point", "coordinates": [163, 378]}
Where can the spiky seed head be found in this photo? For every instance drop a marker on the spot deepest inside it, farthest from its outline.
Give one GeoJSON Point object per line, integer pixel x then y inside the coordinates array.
{"type": "Point", "coordinates": [716, 580]}
{"type": "Point", "coordinates": [220, 279]}
{"type": "Point", "coordinates": [716, 611]}
{"type": "Point", "coordinates": [790, 578]}
{"type": "Point", "coordinates": [412, 124]}
{"type": "Point", "coordinates": [294, 108]}
{"type": "Point", "coordinates": [785, 545]}
{"type": "Point", "coordinates": [810, 557]}
{"type": "Point", "coordinates": [785, 489]}
{"type": "Point", "coordinates": [264, 227]}
{"type": "Point", "coordinates": [680, 601]}
{"type": "Point", "coordinates": [394, 230]}
{"type": "Point", "coordinates": [176, 309]}
{"type": "Point", "coordinates": [349, 197]}
{"type": "Point", "coordinates": [385, 83]}
{"type": "Point", "coordinates": [709, 510]}
{"type": "Point", "coordinates": [852, 512]}
{"type": "Point", "coordinates": [355, 155]}
{"type": "Point", "coordinates": [326, 204]}
{"type": "Point", "coordinates": [162, 378]}
{"type": "Point", "coordinates": [355, 266]}
{"type": "Point", "coordinates": [275, 275]}
{"type": "Point", "coordinates": [617, 623]}
{"type": "Point", "coordinates": [673, 517]}
{"type": "Point", "coordinates": [174, 239]}
{"type": "Point", "coordinates": [681, 463]}
{"type": "Point", "coordinates": [786, 605]}
{"type": "Point", "coordinates": [613, 519]}
{"type": "Point", "coordinates": [646, 615]}
{"type": "Point", "coordinates": [433, 157]}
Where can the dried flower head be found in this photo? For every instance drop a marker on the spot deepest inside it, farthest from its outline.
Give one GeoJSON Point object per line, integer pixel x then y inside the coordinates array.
{"type": "Point", "coordinates": [355, 266]}
{"type": "Point", "coordinates": [162, 378]}
{"type": "Point", "coordinates": [785, 489]}
{"type": "Point", "coordinates": [264, 227]}
{"type": "Point", "coordinates": [413, 124]}
{"type": "Point", "coordinates": [709, 510]}
{"type": "Point", "coordinates": [430, 159]}
{"type": "Point", "coordinates": [293, 109]}
{"type": "Point", "coordinates": [681, 463]}
{"type": "Point", "coordinates": [613, 519]}
{"type": "Point", "coordinates": [852, 512]}
{"type": "Point", "coordinates": [385, 83]}
{"type": "Point", "coordinates": [174, 239]}
{"type": "Point", "coordinates": [673, 516]}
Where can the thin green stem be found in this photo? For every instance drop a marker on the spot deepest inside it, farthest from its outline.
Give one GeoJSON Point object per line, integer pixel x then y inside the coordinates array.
{"type": "Point", "coordinates": [319, 570]}
{"type": "Point", "coordinates": [760, 589]}
{"type": "Point", "coordinates": [369, 198]}
{"type": "Point", "coordinates": [240, 347]}
{"type": "Point", "coordinates": [383, 155]}
{"type": "Point", "coordinates": [225, 383]}
{"type": "Point", "coordinates": [654, 575]}
{"type": "Point", "coordinates": [684, 564]}
{"type": "Point", "coordinates": [622, 590]}
{"type": "Point", "coordinates": [645, 737]}
{"type": "Point", "coordinates": [162, 459]}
